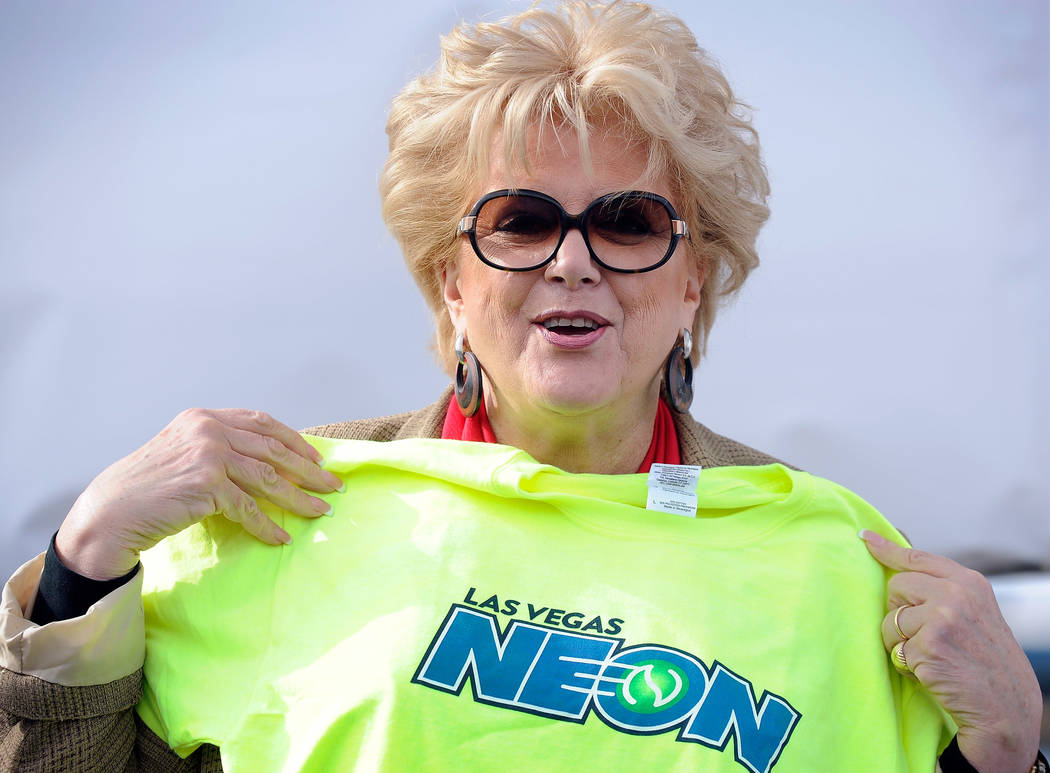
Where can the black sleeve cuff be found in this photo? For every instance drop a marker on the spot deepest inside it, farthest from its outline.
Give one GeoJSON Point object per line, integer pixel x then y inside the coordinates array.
{"type": "Point", "coordinates": [953, 761]}
{"type": "Point", "coordinates": [64, 594]}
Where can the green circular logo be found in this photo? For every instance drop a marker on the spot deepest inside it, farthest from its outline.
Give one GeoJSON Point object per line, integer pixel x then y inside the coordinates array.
{"type": "Point", "coordinates": [651, 686]}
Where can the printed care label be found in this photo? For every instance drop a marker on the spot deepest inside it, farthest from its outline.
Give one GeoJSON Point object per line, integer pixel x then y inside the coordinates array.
{"type": "Point", "coordinates": [672, 489]}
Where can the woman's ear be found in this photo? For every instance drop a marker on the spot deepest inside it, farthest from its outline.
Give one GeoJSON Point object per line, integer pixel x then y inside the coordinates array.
{"type": "Point", "coordinates": [449, 279]}
{"type": "Point", "coordinates": [694, 283]}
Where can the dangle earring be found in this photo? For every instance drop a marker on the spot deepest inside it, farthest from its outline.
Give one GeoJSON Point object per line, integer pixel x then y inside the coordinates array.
{"type": "Point", "coordinates": [468, 380]}
{"type": "Point", "coordinates": [678, 375]}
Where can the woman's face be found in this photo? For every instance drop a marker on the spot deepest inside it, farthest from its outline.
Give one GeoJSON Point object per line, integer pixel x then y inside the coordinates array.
{"type": "Point", "coordinates": [636, 317]}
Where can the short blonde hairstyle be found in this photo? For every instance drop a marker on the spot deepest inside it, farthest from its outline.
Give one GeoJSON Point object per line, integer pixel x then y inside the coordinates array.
{"type": "Point", "coordinates": [585, 66]}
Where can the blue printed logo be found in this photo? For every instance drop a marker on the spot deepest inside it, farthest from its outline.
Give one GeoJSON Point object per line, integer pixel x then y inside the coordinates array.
{"type": "Point", "coordinates": [643, 689]}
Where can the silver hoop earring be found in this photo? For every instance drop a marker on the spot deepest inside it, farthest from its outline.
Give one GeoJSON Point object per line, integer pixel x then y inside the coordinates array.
{"type": "Point", "coordinates": [678, 373]}
{"type": "Point", "coordinates": [468, 380]}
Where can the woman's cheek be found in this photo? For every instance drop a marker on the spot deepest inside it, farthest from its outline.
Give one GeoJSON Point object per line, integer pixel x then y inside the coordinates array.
{"type": "Point", "coordinates": [644, 320]}
{"type": "Point", "coordinates": [498, 314]}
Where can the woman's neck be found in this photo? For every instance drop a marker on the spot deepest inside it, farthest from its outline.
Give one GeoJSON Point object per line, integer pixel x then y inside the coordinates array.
{"type": "Point", "coordinates": [609, 440]}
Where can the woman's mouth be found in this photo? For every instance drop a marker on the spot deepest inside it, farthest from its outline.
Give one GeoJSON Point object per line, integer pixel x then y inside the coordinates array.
{"type": "Point", "coordinates": [570, 325]}
{"type": "Point", "coordinates": [571, 331]}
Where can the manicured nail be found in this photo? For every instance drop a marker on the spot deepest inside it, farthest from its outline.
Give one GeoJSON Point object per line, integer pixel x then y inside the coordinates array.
{"type": "Point", "coordinates": [284, 536]}
{"type": "Point", "coordinates": [869, 536]}
{"type": "Point", "coordinates": [334, 482]}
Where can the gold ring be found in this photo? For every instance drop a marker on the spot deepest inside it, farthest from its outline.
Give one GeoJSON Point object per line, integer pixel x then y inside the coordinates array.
{"type": "Point", "coordinates": [897, 622]}
{"type": "Point", "coordinates": [900, 660]}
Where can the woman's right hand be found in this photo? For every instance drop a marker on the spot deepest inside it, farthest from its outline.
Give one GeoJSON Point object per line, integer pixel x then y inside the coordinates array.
{"type": "Point", "coordinates": [203, 463]}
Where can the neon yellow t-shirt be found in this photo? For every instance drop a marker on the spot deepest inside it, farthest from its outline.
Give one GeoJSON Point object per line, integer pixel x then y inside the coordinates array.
{"type": "Point", "coordinates": [468, 608]}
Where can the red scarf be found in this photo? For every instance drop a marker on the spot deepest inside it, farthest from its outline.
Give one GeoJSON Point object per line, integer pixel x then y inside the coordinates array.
{"type": "Point", "coordinates": [663, 449]}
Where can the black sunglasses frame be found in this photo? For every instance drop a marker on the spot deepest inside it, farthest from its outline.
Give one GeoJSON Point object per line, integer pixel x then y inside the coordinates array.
{"type": "Point", "coordinates": [468, 226]}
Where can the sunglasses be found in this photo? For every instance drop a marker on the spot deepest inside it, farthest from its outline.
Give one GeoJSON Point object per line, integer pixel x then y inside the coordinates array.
{"type": "Point", "coordinates": [521, 230]}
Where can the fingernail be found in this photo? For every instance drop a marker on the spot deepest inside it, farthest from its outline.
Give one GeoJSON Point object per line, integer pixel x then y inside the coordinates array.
{"type": "Point", "coordinates": [334, 482]}
{"type": "Point", "coordinates": [330, 512]}
{"type": "Point", "coordinates": [869, 536]}
{"type": "Point", "coordinates": [322, 507]}
{"type": "Point", "coordinates": [284, 536]}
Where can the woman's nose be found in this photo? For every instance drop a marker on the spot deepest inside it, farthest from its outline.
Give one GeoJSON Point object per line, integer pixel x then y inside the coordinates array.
{"type": "Point", "coordinates": [572, 263]}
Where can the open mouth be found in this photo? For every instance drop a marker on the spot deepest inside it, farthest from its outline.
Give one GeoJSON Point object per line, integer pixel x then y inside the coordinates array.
{"type": "Point", "coordinates": [570, 326]}
{"type": "Point", "coordinates": [565, 329]}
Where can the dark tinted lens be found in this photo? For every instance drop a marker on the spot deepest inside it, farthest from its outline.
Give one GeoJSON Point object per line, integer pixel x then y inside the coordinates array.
{"type": "Point", "coordinates": [629, 231]}
{"type": "Point", "coordinates": [517, 231]}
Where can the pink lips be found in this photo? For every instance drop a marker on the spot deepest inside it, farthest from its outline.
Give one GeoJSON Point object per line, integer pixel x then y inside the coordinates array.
{"type": "Point", "coordinates": [575, 340]}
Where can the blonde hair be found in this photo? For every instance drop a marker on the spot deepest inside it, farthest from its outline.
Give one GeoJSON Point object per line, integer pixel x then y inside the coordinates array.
{"type": "Point", "coordinates": [585, 66]}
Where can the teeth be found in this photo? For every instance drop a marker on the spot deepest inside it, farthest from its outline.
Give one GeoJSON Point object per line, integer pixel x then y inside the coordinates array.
{"type": "Point", "coordinates": [567, 322]}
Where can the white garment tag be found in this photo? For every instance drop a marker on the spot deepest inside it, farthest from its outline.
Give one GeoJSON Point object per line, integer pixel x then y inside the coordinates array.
{"type": "Point", "coordinates": [672, 489]}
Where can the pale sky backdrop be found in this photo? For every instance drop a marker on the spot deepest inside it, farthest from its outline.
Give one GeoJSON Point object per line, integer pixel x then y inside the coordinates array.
{"type": "Point", "coordinates": [189, 216]}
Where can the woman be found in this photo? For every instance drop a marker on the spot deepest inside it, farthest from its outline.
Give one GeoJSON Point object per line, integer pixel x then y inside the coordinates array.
{"type": "Point", "coordinates": [573, 206]}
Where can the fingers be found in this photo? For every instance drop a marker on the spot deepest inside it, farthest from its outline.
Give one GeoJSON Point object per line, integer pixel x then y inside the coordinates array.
{"type": "Point", "coordinates": [262, 480]}
{"type": "Point", "coordinates": [263, 458]}
{"type": "Point", "coordinates": [263, 424]}
{"type": "Point", "coordinates": [236, 505]}
{"type": "Point", "coordinates": [913, 593]}
{"type": "Point", "coordinates": [292, 465]}
{"type": "Point", "coordinates": [913, 588]}
{"type": "Point", "coordinates": [944, 628]}
{"type": "Point", "coordinates": [909, 618]}
{"type": "Point", "coordinates": [902, 559]}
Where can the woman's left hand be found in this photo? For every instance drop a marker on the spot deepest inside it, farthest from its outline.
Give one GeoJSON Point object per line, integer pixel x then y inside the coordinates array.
{"type": "Point", "coordinates": [957, 644]}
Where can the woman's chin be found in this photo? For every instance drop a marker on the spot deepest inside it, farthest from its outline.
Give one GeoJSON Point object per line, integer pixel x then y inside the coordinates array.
{"type": "Point", "coordinates": [574, 397]}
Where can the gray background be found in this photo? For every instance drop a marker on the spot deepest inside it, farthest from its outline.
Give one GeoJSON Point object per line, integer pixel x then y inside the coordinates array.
{"type": "Point", "coordinates": [189, 216]}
